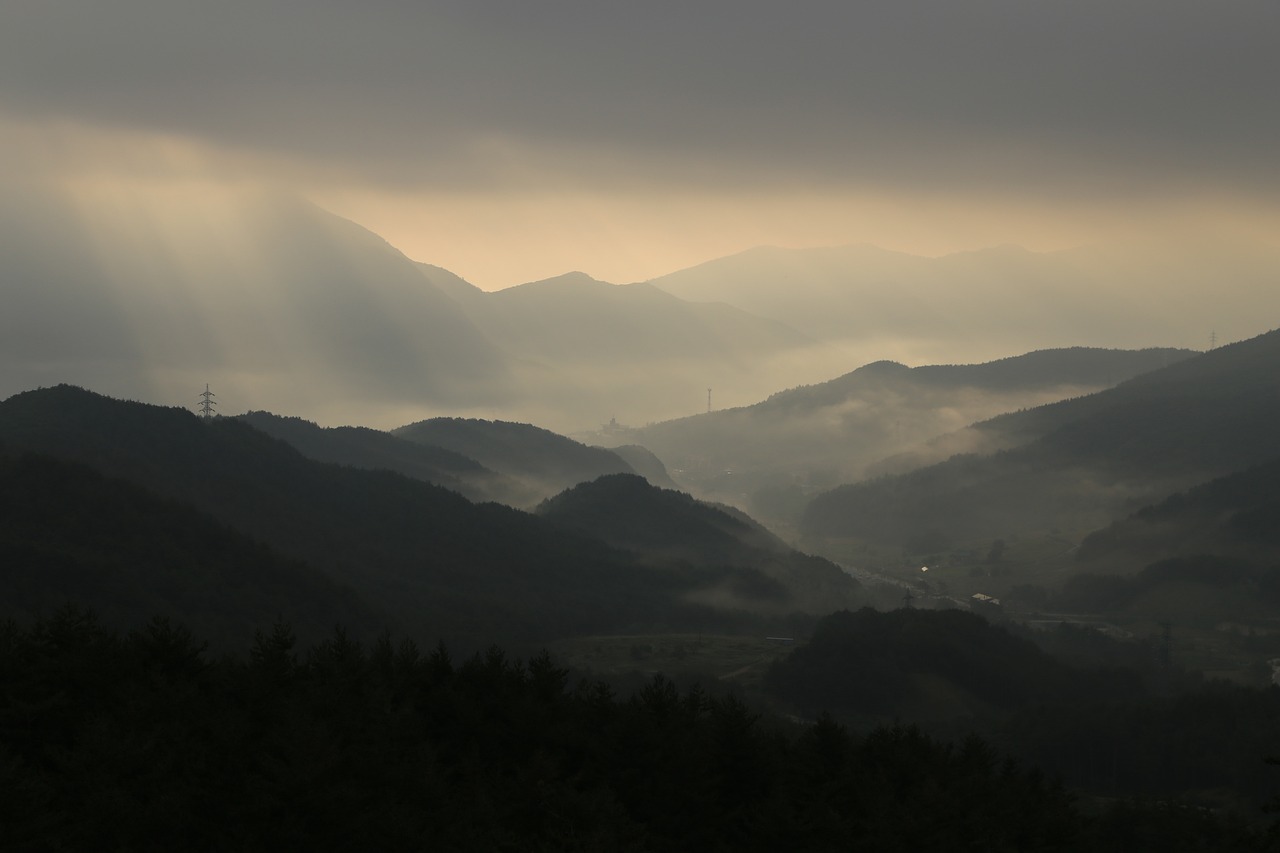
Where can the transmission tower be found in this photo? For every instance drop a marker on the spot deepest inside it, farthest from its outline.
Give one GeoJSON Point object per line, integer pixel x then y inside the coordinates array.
{"type": "Point", "coordinates": [206, 405]}
{"type": "Point", "coordinates": [708, 401]}
{"type": "Point", "coordinates": [1213, 340]}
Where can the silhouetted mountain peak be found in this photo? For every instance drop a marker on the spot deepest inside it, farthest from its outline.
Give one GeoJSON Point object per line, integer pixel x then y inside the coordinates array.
{"type": "Point", "coordinates": [545, 461]}
{"type": "Point", "coordinates": [884, 366]}
{"type": "Point", "coordinates": [627, 512]}
{"type": "Point", "coordinates": [575, 281]}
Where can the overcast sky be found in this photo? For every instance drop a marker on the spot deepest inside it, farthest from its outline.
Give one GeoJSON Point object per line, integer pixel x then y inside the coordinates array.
{"type": "Point", "coordinates": [509, 141]}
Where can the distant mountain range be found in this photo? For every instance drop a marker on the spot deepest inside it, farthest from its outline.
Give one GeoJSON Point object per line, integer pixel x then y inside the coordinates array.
{"type": "Point", "coordinates": [1080, 463]}
{"type": "Point", "coordinates": [280, 305]}
{"type": "Point", "coordinates": [577, 345]}
{"type": "Point", "coordinates": [878, 418]}
{"type": "Point", "coordinates": [1004, 299]}
{"type": "Point", "coordinates": [572, 318]}
{"type": "Point", "coordinates": [268, 298]}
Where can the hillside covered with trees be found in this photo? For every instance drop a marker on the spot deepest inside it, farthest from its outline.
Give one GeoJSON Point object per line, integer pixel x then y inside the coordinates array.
{"type": "Point", "coordinates": [142, 741]}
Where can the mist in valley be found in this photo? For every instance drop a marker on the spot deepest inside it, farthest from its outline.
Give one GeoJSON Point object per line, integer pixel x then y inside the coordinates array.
{"type": "Point", "coordinates": [646, 428]}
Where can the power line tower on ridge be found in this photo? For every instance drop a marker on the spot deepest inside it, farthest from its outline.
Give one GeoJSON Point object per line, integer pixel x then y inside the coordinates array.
{"type": "Point", "coordinates": [206, 405]}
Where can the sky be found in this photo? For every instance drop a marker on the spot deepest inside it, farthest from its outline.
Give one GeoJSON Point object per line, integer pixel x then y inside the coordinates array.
{"type": "Point", "coordinates": [510, 141]}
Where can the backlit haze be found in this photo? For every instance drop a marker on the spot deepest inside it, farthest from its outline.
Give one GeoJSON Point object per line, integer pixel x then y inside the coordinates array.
{"type": "Point", "coordinates": [511, 142]}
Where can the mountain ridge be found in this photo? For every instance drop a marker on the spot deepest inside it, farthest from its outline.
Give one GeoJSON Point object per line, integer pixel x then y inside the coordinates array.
{"type": "Point", "coordinates": [881, 414]}
{"type": "Point", "coordinates": [1085, 460]}
{"type": "Point", "coordinates": [424, 556]}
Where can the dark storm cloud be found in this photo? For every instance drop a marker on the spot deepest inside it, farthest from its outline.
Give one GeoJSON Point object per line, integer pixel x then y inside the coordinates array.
{"type": "Point", "coordinates": [867, 94]}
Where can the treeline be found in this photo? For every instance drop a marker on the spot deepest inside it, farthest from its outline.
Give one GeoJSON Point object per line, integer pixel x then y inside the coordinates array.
{"type": "Point", "coordinates": [1200, 589]}
{"type": "Point", "coordinates": [143, 741]}
{"type": "Point", "coordinates": [871, 663]}
{"type": "Point", "coordinates": [1101, 724]}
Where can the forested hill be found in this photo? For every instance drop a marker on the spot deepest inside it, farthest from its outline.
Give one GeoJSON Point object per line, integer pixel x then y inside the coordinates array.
{"type": "Point", "coordinates": [362, 447]}
{"type": "Point", "coordinates": [1080, 463]}
{"type": "Point", "coordinates": [1238, 515]}
{"type": "Point", "coordinates": [1083, 367]}
{"type": "Point", "coordinates": [1099, 728]}
{"type": "Point", "coordinates": [663, 525]}
{"type": "Point", "coordinates": [68, 533]}
{"type": "Point", "coordinates": [140, 741]}
{"type": "Point", "coordinates": [625, 510]}
{"type": "Point", "coordinates": [544, 461]}
{"type": "Point", "coordinates": [841, 430]}
{"type": "Point", "coordinates": [921, 663]}
{"type": "Point", "coordinates": [441, 566]}
{"type": "Point", "coordinates": [1228, 391]}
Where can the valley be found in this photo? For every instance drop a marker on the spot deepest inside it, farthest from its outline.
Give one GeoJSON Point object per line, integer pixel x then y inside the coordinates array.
{"type": "Point", "coordinates": [651, 428]}
{"type": "Point", "coordinates": [1033, 551]}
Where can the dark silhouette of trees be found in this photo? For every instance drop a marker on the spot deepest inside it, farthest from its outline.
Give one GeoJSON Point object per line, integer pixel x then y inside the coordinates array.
{"type": "Point", "coordinates": [143, 741]}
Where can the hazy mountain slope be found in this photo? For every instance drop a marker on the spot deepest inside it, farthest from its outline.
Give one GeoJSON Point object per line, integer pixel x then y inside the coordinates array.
{"type": "Point", "coordinates": [824, 292]}
{"type": "Point", "coordinates": [467, 295]}
{"type": "Point", "coordinates": [819, 435]}
{"type": "Point", "coordinates": [574, 318]}
{"type": "Point", "coordinates": [1205, 591]}
{"type": "Point", "coordinates": [972, 304]}
{"type": "Point", "coordinates": [645, 463]}
{"type": "Point", "coordinates": [372, 449]}
{"type": "Point", "coordinates": [1079, 463]}
{"type": "Point", "coordinates": [586, 350]}
{"type": "Point", "coordinates": [279, 305]}
{"type": "Point", "coordinates": [1205, 413]}
{"type": "Point", "coordinates": [1237, 515]}
{"type": "Point", "coordinates": [665, 525]}
{"type": "Point", "coordinates": [539, 459]}
{"type": "Point", "coordinates": [270, 299]}
{"type": "Point", "coordinates": [69, 534]}
{"type": "Point", "coordinates": [439, 564]}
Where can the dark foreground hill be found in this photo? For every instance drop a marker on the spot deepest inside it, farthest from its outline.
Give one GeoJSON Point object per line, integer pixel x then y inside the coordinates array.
{"type": "Point", "coordinates": [68, 533]}
{"type": "Point", "coordinates": [141, 741]}
{"type": "Point", "coordinates": [917, 664]}
{"type": "Point", "coordinates": [434, 562]}
{"type": "Point", "coordinates": [665, 526]}
{"type": "Point", "coordinates": [1080, 463]}
{"type": "Point", "coordinates": [1120, 732]}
